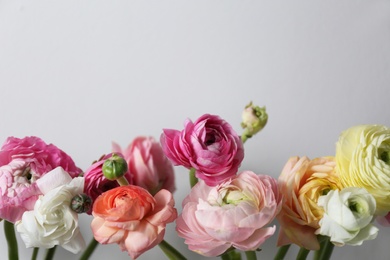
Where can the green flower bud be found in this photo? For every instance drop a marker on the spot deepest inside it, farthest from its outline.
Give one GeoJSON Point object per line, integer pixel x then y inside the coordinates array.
{"type": "Point", "coordinates": [254, 118]}
{"type": "Point", "coordinates": [114, 167]}
{"type": "Point", "coordinates": [81, 203]}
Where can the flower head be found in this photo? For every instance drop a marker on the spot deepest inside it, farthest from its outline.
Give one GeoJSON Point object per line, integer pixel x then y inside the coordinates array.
{"type": "Point", "coordinates": [209, 145]}
{"type": "Point", "coordinates": [302, 182]}
{"type": "Point", "coordinates": [96, 183]}
{"type": "Point", "coordinates": [22, 163]}
{"type": "Point", "coordinates": [348, 215]}
{"type": "Point", "coordinates": [131, 217]}
{"type": "Point", "coordinates": [148, 164]}
{"type": "Point", "coordinates": [235, 213]}
{"type": "Point", "coordinates": [52, 221]}
{"type": "Point", "coordinates": [363, 160]}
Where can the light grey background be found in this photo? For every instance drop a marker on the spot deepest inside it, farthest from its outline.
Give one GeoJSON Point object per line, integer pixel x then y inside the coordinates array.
{"type": "Point", "coordinates": [81, 74]}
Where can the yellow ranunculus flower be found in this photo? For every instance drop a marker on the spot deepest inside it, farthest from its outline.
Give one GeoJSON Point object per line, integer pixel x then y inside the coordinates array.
{"type": "Point", "coordinates": [363, 160]}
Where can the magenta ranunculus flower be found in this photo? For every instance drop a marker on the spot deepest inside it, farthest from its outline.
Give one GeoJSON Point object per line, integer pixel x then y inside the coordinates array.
{"type": "Point", "coordinates": [148, 164]}
{"type": "Point", "coordinates": [209, 145]}
{"type": "Point", "coordinates": [95, 182]}
{"type": "Point", "coordinates": [22, 163]}
{"type": "Point", "coordinates": [235, 213]}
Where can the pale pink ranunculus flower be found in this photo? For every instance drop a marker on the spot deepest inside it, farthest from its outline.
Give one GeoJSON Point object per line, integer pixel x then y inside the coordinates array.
{"type": "Point", "coordinates": [22, 163]}
{"type": "Point", "coordinates": [209, 145]}
{"type": "Point", "coordinates": [148, 164]}
{"type": "Point", "coordinates": [302, 182]}
{"type": "Point", "coordinates": [235, 213]}
{"type": "Point", "coordinates": [95, 182]}
{"type": "Point", "coordinates": [132, 218]}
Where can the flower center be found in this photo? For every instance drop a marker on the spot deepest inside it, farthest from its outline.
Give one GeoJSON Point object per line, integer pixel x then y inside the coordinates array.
{"type": "Point", "coordinates": [233, 197]}
{"type": "Point", "coordinates": [27, 174]}
{"type": "Point", "coordinates": [358, 206]}
{"type": "Point", "coordinates": [384, 156]}
{"type": "Point", "coordinates": [384, 152]}
{"type": "Point", "coordinates": [210, 139]}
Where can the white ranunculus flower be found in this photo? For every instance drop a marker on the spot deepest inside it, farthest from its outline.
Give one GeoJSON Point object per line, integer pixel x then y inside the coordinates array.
{"type": "Point", "coordinates": [347, 217]}
{"type": "Point", "coordinates": [52, 221]}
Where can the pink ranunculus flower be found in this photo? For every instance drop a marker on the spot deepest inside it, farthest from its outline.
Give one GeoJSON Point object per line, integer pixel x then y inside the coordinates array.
{"type": "Point", "coordinates": [209, 145]}
{"type": "Point", "coordinates": [22, 163]}
{"type": "Point", "coordinates": [131, 217]}
{"type": "Point", "coordinates": [235, 213]}
{"type": "Point", "coordinates": [95, 182]}
{"type": "Point", "coordinates": [148, 164]}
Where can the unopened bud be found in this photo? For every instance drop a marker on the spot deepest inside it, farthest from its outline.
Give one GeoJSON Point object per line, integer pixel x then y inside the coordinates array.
{"type": "Point", "coordinates": [254, 118]}
{"type": "Point", "coordinates": [81, 203]}
{"type": "Point", "coordinates": [114, 167]}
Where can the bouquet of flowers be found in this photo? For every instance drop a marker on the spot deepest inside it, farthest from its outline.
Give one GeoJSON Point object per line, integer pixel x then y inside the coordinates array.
{"type": "Point", "coordinates": [318, 203]}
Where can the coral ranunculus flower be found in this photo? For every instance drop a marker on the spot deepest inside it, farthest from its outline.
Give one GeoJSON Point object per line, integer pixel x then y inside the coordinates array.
{"type": "Point", "coordinates": [131, 217]}
{"type": "Point", "coordinates": [209, 145]}
{"type": "Point", "coordinates": [302, 182]}
{"type": "Point", "coordinates": [237, 213]}
{"type": "Point", "coordinates": [363, 160]}
{"type": "Point", "coordinates": [22, 163]}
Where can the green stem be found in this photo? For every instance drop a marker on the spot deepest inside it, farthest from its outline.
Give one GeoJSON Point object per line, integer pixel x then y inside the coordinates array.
{"type": "Point", "coordinates": [91, 247]}
{"type": "Point", "coordinates": [193, 179]}
{"type": "Point", "coordinates": [282, 252]}
{"type": "Point", "coordinates": [325, 251]}
{"type": "Point", "coordinates": [35, 253]}
{"type": "Point", "coordinates": [302, 254]}
{"type": "Point", "coordinates": [251, 255]}
{"type": "Point", "coordinates": [231, 254]}
{"type": "Point", "coordinates": [170, 251]}
{"type": "Point", "coordinates": [244, 137]}
{"type": "Point", "coordinates": [50, 253]}
{"type": "Point", "coordinates": [9, 230]}
{"type": "Point", "coordinates": [225, 256]}
{"type": "Point", "coordinates": [122, 181]}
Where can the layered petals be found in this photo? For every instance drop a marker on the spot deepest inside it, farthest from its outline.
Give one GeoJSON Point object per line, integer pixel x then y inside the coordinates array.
{"type": "Point", "coordinates": [233, 214]}
{"type": "Point", "coordinates": [302, 182]}
{"type": "Point", "coordinates": [132, 218]}
{"type": "Point", "coordinates": [209, 145]}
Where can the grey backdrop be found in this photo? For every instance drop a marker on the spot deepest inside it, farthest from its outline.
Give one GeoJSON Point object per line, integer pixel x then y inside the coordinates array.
{"type": "Point", "coordinates": [81, 74]}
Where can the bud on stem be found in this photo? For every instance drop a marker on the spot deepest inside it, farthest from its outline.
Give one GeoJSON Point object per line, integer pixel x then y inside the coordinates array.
{"type": "Point", "coordinates": [114, 167]}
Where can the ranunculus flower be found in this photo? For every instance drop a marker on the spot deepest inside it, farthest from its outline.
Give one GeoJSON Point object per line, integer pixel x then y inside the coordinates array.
{"type": "Point", "coordinates": [384, 220]}
{"type": "Point", "coordinates": [363, 160]}
{"type": "Point", "coordinates": [235, 213]}
{"type": "Point", "coordinates": [95, 182]}
{"type": "Point", "coordinates": [302, 182]}
{"type": "Point", "coordinates": [131, 217]}
{"type": "Point", "coordinates": [347, 217]}
{"type": "Point", "coordinates": [22, 163]}
{"type": "Point", "coordinates": [209, 145]}
{"type": "Point", "coordinates": [148, 164]}
{"type": "Point", "coordinates": [52, 221]}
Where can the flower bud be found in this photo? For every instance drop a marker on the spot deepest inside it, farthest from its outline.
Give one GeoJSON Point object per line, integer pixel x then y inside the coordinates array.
{"type": "Point", "coordinates": [114, 167]}
{"type": "Point", "coordinates": [81, 203]}
{"type": "Point", "coordinates": [254, 118]}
